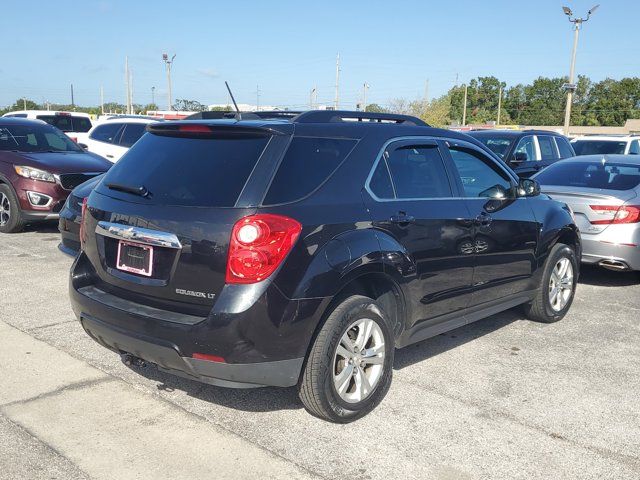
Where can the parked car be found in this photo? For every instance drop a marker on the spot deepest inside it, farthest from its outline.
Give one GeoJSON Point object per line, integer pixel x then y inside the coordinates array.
{"type": "Point", "coordinates": [113, 137]}
{"type": "Point", "coordinates": [71, 123]}
{"type": "Point", "coordinates": [304, 251]}
{"type": "Point", "coordinates": [39, 166]}
{"type": "Point", "coordinates": [526, 151]}
{"type": "Point", "coordinates": [71, 214]}
{"type": "Point", "coordinates": [604, 194]}
{"type": "Point", "coordinates": [607, 145]}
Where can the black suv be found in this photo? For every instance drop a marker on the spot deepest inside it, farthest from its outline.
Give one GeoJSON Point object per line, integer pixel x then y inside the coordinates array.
{"type": "Point", "coordinates": [304, 251]}
{"type": "Point", "coordinates": [526, 151]}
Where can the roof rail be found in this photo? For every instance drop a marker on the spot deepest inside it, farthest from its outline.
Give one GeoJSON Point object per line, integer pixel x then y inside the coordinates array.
{"type": "Point", "coordinates": [327, 116]}
{"type": "Point", "coordinates": [270, 114]}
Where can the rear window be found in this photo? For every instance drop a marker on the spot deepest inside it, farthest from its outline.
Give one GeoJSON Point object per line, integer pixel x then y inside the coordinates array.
{"type": "Point", "coordinates": [591, 175]}
{"type": "Point", "coordinates": [599, 147]}
{"type": "Point", "coordinates": [205, 172]}
{"type": "Point", "coordinates": [67, 123]}
{"type": "Point", "coordinates": [306, 165]}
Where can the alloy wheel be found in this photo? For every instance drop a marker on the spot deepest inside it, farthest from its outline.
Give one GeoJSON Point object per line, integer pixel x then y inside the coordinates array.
{"type": "Point", "coordinates": [561, 284]}
{"type": "Point", "coordinates": [359, 360]}
{"type": "Point", "coordinates": [5, 209]}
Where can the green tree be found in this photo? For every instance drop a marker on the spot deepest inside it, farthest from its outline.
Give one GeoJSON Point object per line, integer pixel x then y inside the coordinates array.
{"type": "Point", "coordinates": [189, 106]}
{"type": "Point", "coordinates": [375, 108]}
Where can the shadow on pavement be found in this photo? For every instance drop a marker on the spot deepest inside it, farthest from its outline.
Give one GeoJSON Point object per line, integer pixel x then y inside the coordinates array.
{"type": "Point", "coordinates": [601, 277]}
{"type": "Point", "coordinates": [49, 226]}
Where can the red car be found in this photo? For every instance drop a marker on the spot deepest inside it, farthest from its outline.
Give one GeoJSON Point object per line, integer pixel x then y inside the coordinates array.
{"type": "Point", "coordinates": [39, 166]}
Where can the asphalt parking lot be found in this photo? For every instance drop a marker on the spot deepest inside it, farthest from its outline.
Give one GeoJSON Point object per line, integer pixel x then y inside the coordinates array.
{"type": "Point", "coordinates": [503, 398]}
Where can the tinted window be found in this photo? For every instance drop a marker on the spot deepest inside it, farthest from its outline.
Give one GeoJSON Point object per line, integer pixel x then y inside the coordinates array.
{"type": "Point", "coordinates": [132, 133]}
{"type": "Point", "coordinates": [81, 124]}
{"type": "Point", "coordinates": [106, 133]}
{"type": "Point", "coordinates": [418, 171]}
{"type": "Point", "coordinates": [380, 183]}
{"type": "Point", "coordinates": [498, 145]}
{"type": "Point", "coordinates": [307, 163]}
{"type": "Point", "coordinates": [208, 172]}
{"type": "Point", "coordinates": [479, 175]}
{"type": "Point", "coordinates": [527, 146]}
{"type": "Point", "coordinates": [35, 138]}
{"type": "Point", "coordinates": [634, 148]}
{"type": "Point", "coordinates": [547, 148]}
{"type": "Point", "coordinates": [67, 123]}
{"type": "Point", "coordinates": [611, 176]}
{"type": "Point", "coordinates": [18, 115]}
{"type": "Point", "coordinates": [599, 147]}
{"type": "Point", "coordinates": [563, 146]}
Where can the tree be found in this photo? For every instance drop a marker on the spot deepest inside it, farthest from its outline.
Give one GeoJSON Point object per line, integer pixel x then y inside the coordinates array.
{"type": "Point", "coordinates": [375, 108]}
{"type": "Point", "coordinates": [189, 106]}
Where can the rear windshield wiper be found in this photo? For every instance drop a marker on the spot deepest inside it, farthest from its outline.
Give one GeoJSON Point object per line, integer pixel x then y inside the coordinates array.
{"type": "Point", "coordinates": [140, 190]}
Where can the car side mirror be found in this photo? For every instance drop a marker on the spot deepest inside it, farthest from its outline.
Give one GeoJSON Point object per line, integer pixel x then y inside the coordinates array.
{"type": "Point", "coordinates": [528, 187]}
{"type": "Point", "coordinates": [519, 157]}
{"type": "Point", "coordinates": [83, 146]}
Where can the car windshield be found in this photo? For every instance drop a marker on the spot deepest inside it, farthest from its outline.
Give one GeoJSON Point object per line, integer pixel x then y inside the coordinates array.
{"type": "Point", "coordinates": [497, 144]}
{"type": "Point", "coordinates": [35, 137]}
{"type": "Point", "coordinates": [609, 176]}
{"type": "Point", "coordinates": [599, 147]}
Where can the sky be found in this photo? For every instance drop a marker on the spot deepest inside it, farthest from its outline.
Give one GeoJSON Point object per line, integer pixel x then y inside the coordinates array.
{"type": "Point", "coordinates": [285, 48]}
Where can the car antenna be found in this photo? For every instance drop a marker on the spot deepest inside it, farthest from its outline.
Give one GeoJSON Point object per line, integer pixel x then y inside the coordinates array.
{"type": "Point", "coordinates": [238, 115]}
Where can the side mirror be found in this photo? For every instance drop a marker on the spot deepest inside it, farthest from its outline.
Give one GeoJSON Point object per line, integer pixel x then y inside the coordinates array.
{"type": "Point", "coordinates": [528, 187]}
{"type": "Point", "coordinates": [519, 157]}
{"type": "Point", "coordinates": [83, 146]}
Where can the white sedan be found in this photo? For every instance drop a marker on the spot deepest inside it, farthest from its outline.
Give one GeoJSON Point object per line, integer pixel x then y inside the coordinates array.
{"type": "Point", "coordinates": [113, 137]}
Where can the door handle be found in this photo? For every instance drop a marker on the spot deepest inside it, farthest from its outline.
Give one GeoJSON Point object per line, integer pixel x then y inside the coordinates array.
{"type": "Point", "coordinates": [402, 218]}
{"type": "Point", "coordinates": [484, 219]}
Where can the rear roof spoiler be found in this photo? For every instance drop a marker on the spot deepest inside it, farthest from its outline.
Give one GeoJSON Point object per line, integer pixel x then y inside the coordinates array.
{"type": "Point", "coordinates": [330, 116]}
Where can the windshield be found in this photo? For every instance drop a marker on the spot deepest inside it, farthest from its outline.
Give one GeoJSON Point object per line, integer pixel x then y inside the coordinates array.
{"type": "Point", "coordinates": [611, 176]}
{"type": "Point", "coordinates": [35, 137]}
{"type": "Point", "coordinates": [599, 147]}
{"type": "Point", "coordinates": [498, 144]}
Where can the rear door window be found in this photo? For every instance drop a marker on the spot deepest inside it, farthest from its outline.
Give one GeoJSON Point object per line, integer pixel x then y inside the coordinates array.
{"type": "Point", "coordinates": [132, 133]}
{"type": "Point", "coordinates": [187, 171]}
{"type": "Point", "coordinates": [307, 164]}
{"type": "Point", "coordinates": [547, 147]}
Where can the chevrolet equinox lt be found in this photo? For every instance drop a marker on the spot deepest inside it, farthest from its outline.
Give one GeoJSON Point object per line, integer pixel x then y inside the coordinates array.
{"type": "Point", "coordinates": [302, 252]}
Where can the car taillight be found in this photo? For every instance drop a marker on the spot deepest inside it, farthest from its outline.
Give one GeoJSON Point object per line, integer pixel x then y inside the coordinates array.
{"type": "Point", "coordinates": [258, 245]}
{"type": "Point", "coordinates": [621, 214]}
{"type": "Point", "coordinates": [82, 217]}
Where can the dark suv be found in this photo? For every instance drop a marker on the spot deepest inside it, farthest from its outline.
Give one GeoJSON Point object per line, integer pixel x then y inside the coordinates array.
{"type": "Point", "coordinates": [526, 151]}
{"type": "Point", "coordinates": [304, 251]}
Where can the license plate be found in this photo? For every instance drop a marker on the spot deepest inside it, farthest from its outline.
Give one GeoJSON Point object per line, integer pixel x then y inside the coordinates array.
{"type": "Point", "coordinates": [135, 258]}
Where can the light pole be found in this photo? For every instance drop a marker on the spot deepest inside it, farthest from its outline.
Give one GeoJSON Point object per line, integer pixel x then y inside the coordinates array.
{"type": "Point", "coordinates": [571, 86]}
{"type": "Point", "coordinates": [168, 63]}
{"type": "Point", "coordinates": [153, 95]}
{"type": "Point", "coordinates": [365, 87]}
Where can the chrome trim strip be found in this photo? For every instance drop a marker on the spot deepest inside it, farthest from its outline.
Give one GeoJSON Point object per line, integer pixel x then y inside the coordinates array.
{"type": "Point", "coordinates": [146, 236]}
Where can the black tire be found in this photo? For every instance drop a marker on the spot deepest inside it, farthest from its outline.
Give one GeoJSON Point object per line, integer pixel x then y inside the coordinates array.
{"type": "Point", "coordinates": [317, 390]}
{"type": "Point", "coordinates": [15, 223]}
{"type": "Point", "coordinates": [540, 308]}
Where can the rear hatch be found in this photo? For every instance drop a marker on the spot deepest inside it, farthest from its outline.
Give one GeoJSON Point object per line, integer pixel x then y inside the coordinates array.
{"type": "Point", "coordinates": [161, 219]}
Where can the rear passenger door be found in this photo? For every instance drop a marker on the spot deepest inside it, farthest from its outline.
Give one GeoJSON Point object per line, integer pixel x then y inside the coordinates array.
{"type": "Point", "coordinates": [412, 200]}
{"type": "Point", "coordinates": [505, 234]}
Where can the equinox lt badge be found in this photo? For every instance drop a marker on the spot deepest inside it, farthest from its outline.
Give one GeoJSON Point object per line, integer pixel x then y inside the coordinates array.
{"type": "Point", "coordinates": [191, 293]}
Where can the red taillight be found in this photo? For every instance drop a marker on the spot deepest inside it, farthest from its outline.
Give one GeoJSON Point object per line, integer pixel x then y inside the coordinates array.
{"type": "Point", "coordinates": [621, 214]}
{"type": "Point", "coordinates": [258, 245]}
{"type": "Point", "coordinates": [210, 358]}
{"type": "Point", "coordinates": [82, 216]}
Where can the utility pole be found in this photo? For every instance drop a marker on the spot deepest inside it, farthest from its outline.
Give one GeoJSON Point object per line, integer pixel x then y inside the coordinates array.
{"type": "Point", "coordinates": [336, 102]}
{"type": "Point", "coordinates": [313, 91]}
{"type": "Point", "coordinates": [153, 95]}
{"type": "Point", "coordinates": [571, 87]}
{"type": "Point", "coordinates": [131, 112]}
{"type": "Point", "coordinates": [426, 91]}
{"type": "Point", "coordinates": [365, 87]}
{"type": "Point", "coordinates": [257, 98]}
{"type": "Point", "coordinates": [24, 103]}
{"type": "Point", "coordinates": [499, 104]}
{"type": "Point", "coordinates": [73, 103]}
{"type": "Point", "coordinates": [464, 107]}
{"type": "Point", "coordinates": [102, 100]}
{"type": "Point", "coordinates": [168, 63]}
{"type": "Point", "coordinates": [127, 79]}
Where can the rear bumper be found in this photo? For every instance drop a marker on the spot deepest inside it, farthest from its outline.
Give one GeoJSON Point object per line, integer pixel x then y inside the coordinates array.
{"type": "Point", "coordinates": [167, 357]}
{"type": "Point", "coordinates": [597, 251]}
{"type": "Point", "coordinates": [69, 227]}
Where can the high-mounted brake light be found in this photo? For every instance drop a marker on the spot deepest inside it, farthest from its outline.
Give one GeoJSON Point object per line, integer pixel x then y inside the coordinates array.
{"type": "Point", "coordinates": [82, 218]}
{"type": "Point", "coordinates": [196, 128]}
{"type": "Point", "coordinates": [259, 244]}
{"type": "Point", "coordinates": [621, 214]}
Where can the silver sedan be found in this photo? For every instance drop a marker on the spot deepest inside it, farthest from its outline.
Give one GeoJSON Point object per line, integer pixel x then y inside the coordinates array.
{"type": "Point", "coordinates": [604, 194]}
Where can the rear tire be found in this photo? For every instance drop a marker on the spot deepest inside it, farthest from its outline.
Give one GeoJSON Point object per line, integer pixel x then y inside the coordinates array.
{"type": "Point", "coordinates": [556, 293]}
{"type": "Point", "coordinates": [349, 368]}
{"type": "Point", "coordinates": [11, 220]}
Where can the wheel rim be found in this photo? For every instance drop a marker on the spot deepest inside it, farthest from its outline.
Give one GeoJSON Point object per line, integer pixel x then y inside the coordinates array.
{"type": "Point", "coordinates": [561, 284]}
{"type": "Point", "coordinates": [5, 209]}
{"type": "Point", "coordinates": [359, 361]}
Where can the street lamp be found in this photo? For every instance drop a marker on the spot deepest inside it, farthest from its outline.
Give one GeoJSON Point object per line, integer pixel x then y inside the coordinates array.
{"type": "Point", "coordinates": [571, 86]}
{"type": "Point", "coordinates": [168, 63]}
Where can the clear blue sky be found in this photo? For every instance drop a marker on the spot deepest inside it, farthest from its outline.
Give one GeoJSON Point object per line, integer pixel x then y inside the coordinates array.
{"type": "Point", "coordinates": [287, 47]}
